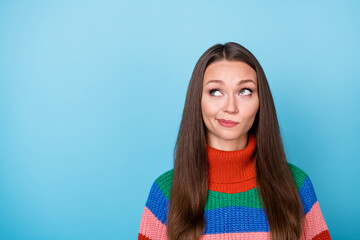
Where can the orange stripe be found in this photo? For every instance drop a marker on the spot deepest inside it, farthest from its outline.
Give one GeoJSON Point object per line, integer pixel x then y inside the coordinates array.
{"type": "Point", "coordinates": [142, 237]}
{"type": "Point", "coordinates": [324, 235]}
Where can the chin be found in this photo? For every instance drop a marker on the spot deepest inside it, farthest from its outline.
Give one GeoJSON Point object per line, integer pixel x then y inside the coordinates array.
{"type": "Point", "coordinates": [230, 137]}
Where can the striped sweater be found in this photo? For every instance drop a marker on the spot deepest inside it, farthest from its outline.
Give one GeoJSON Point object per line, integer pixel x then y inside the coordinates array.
{"type": "Point", "coordinates": [231, 212]}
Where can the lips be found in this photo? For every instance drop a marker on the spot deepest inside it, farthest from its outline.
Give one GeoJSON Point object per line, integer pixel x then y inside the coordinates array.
{"type": "Point", "coordinates": [227, 123]}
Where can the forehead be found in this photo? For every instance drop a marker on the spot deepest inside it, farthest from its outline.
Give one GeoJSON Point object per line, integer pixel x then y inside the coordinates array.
{"type": "Point", "coordinates": [229, 71]}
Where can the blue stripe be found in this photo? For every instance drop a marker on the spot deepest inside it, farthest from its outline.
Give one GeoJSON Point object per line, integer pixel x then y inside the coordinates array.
{"type": "Point", "coordinates": [235, 219]}
{"type": "Point", "coordinates": [307, 195]}
{"type": "Point", "coordinates": [157, 203]}
{"type": "Point", "coordinates": [229, 219]}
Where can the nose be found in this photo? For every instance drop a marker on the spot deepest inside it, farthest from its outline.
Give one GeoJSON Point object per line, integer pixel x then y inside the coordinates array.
{"type": "Point", "coordinates": [231, 105]}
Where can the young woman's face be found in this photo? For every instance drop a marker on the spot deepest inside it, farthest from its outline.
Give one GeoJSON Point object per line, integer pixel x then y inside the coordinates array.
{"type": "Point", "coordinates": [229, 93]}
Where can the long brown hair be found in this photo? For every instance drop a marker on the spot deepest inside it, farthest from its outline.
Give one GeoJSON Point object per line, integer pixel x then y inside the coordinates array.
{"type": "Point", "coordinates": [276, 188]}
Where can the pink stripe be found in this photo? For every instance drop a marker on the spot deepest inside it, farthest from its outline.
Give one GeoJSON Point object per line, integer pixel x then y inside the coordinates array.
{"type": "Point", "coordinates": [151, 227]}
{"type": "Point", "coordinates": [237, 236]}
{"type": "Point", "coordinates": [314, 222]}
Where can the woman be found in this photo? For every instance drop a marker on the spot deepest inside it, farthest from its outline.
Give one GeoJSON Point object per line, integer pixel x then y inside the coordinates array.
{"type": "Point", "coordinates": [231, 179]}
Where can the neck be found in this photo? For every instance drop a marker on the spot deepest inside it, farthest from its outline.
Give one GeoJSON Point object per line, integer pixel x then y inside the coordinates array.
{"type": "Point", "coordinates": [232, 171]}
{"type": "Point", "coordinates": [227, 145]}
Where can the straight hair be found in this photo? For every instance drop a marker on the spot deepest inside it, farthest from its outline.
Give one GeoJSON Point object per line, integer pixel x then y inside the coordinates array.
{"type": "Point", "coordinates": [276, 188]}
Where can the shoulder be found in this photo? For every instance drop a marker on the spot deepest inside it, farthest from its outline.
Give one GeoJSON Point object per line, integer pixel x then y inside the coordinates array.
{"type": "Point", "coordinates": [304, 185]}
{"type": "Point", "coordinates": [157, 202]}
{"type": "Point", "coordinates": [165, 177]}
{"type": "Point", "coordinates": [162, 184]}
{"type": "Point", "coordinates": [298, 174]}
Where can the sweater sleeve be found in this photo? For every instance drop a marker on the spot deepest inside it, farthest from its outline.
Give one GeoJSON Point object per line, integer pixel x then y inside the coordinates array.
{"type": "Point", "coordinates": [315, 227]}
{"type": "Point", "coordinates": [153, 219]}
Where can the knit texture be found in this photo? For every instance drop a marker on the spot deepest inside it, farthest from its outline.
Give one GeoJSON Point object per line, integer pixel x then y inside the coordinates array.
{"type": "Point", "coordinates": [232, 171]}
{"type": "Point", "coordinates": [232, 209]}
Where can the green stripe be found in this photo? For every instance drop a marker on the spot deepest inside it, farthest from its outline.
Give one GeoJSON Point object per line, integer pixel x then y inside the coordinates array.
{"type": "Point", "coordinates": [218, 200]}
{"type": "Point", "coordinates": [164, 182]}
{"type": "Point", "coordinates": [298, 175]}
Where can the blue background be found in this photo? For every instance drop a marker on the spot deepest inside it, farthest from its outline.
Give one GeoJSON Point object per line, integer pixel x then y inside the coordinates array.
{"type": "Point", "coordinates": [92, 92]}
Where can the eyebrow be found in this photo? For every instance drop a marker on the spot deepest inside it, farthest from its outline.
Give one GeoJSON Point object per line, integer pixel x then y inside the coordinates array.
{"type": "Point", "coordinates": [239, 83]}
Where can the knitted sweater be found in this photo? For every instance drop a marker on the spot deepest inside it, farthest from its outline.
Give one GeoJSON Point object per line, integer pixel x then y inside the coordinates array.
{"type": "Point", "coordinates": [232, 210]}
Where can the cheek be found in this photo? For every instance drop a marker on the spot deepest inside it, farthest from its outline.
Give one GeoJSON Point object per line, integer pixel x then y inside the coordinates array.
{"type": "Point", "coordinates": [253, 110]}
{"type": "Point", "coordinates": [209, 109]}
{"type": "Point", "coordinates": [205, 106]}
{"type": "Point", "coordinates": [250, 111]}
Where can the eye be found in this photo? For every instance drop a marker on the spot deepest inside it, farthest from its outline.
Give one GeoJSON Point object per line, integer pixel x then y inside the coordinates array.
{"type": "Point", "coordinates": [217, 90]}
{"type": "Point", "coordinates": [248, 90]}
{"type": "Point", "coordinates": [213, 90]}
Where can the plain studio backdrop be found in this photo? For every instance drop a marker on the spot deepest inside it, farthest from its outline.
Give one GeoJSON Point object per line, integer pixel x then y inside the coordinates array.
{"type": "Point", "coordinates": [92, 93]}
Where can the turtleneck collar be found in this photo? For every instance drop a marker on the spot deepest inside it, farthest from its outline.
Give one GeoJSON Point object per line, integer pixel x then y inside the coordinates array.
{"type": "Point", "coordinates": [232, 171]}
